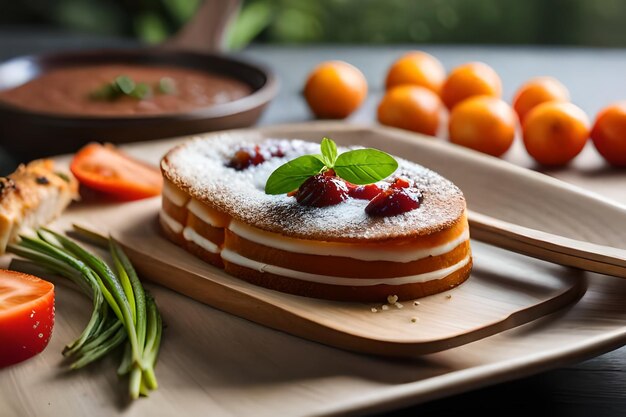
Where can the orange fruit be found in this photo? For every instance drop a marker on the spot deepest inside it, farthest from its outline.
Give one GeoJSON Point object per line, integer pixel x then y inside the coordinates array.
{"type": "Point", "coordinates": [536, 91]}
{"type": "Point", "coordinates": [484, 123]}
{"type": "Point", "coordinates": [609, 133]}
{"type": "Point", "coordinates": [334, 89]}
{"type": "Point", "coordinates": [416, 68]}
{"type": "Point", "coordinates": [471, 79]}
{"type": "Point", "coordinates": [411, 107]}
{"type": "Point", "coordinates": [555, 132]}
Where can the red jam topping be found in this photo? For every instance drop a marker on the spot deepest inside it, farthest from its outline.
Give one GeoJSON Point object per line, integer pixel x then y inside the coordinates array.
{"type": "Point", "coordinates": [322, 190]}
{"type": "Point", "coordinates": [247, 156]}
{"type": "Point", "coordinates": [401, 182]}
{"type": "Point", "coordinates": [364, 192]}
{"type": "Point", "coordinates": [326, 189]}
{"type": "Point", "coordinates": [399, 198]}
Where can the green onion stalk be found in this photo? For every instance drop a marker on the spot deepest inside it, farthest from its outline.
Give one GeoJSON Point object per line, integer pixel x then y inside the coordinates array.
{"type": "Point", "coordinates": [123, 313]}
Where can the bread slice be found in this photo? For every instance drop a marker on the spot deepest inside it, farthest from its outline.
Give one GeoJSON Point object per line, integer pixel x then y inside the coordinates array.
{"type": "Point", "coordinates": [34, 195]}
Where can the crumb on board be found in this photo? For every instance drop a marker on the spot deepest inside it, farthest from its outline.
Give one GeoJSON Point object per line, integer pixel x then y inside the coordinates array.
{"type": "Point", "coordinates": [398, 305]}
{"type": "Point", "coordinates": [449, 296]}
{"type": "Point", "coordinates": [374, 310]}
{"type": "Point", "coordinates": [392, 299]}
{"type": "Point", "coordinates": [416, 303]}
{"type": "Point", "coordinates": [385, 307]}
{"type": "Point", "coordinates": [413, 319]}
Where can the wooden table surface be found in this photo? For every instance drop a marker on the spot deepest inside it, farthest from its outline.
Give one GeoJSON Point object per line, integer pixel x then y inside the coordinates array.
{"type": "Point", "coordinates": [595, 78]}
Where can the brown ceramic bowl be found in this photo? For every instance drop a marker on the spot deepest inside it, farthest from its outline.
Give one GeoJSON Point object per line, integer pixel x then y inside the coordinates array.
{"type": "Point", "coordinates": [28, 134]}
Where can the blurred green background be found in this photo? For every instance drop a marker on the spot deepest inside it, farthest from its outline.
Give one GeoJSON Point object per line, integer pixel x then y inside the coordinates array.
{"type": "Point", "coordinates": [554, 22]}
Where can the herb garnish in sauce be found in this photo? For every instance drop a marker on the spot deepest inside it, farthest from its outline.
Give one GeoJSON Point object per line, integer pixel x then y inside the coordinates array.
{"type": "Point", "coordinates": [124, 86]}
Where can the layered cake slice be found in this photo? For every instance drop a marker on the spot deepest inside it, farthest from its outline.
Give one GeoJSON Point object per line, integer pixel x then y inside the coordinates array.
{"type": "Point", "coordinates": [340, 224]}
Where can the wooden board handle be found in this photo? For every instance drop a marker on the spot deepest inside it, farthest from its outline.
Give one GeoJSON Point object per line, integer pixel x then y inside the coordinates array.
{"type": "Point", "coordinates": [549, 247]}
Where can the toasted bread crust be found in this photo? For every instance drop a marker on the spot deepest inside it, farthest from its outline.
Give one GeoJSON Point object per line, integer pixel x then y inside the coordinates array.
{"type": "Point", "coordinates": [198, 168]}
{"type": "Point", "coordinates": [32, 196]}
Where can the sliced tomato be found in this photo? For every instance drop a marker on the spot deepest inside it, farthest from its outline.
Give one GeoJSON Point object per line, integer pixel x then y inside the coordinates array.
{"type": "Point", "coordinates": [106, 169]}
{"type": "Point", "coordinates": [26, 316]}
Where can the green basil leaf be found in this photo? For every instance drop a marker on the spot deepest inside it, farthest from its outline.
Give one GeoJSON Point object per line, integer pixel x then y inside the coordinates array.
{"type": "Point", "coordinates": [365, 166]}
{"type": "Point", "coordinates": [107, 92]}
{"type": "Point", "coordinates": [141, 91]}
{"type": "Point", "coordinates": [125, 84]}
{"type": "Point", "coordinates": [320, 157]}
{"type": "Point", "coordinates": [329, 152]}
{"type": "Point", "coordinates": [291, 175]}
{"type": "Point", "coordinates": [167, 85]}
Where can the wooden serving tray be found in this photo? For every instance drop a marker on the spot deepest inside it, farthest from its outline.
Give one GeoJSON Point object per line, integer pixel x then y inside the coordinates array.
{"type": "Point", "coordinates": [505, 289]}
{"type": "Point", "coordinates": [214, 363]}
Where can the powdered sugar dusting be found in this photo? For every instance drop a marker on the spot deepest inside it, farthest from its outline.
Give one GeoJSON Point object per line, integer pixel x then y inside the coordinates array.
{"type": "Point", "coordinates": [199, 168]}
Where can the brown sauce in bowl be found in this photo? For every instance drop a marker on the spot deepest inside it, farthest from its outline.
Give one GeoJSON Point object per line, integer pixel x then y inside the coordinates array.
{"type": "Point", "coordinates": [68, 91]}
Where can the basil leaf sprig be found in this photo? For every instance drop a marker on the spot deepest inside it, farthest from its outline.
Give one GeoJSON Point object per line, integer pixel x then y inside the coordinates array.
{"type": "Point", "coordinates": [359, 166]}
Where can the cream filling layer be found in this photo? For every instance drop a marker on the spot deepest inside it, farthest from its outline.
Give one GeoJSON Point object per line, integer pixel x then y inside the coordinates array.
{"type": "Point", "coordinates": [339, 249]}
{"type": "Point", "coordinates": [174, 195]}
{"type": "Point", "coordinates": [228, 255]}
{"type": "Point", "coordinates": [346, 250]}
{"type": "Point", "coordinates": [192, 236]}
{"type": "Point", "coordinates": [189, 234]}
{"type": "Point", "coordinates": [175, 226]}
{"type": "Point", "coordinates": [237, 259]}
{"type": "Point", "coordinates": [203, 213]}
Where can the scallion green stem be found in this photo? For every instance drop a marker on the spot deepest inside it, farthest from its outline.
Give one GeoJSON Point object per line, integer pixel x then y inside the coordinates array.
{"type": "Point", "coordinates": [91, 236]}
{"type": "Point", "coordinates": [122, 310]}
{"type": "Point", "coordinates": [139, 294]}
{"type": "Point", "coordinates": [102, 337]}
{"type": "Point", "coordinates": [126, 285]}
{"type": "Point", "coordinates": [112, 284]}
{"type": "Point", "coordinates": [98, 352]}
{"type": "Point", "coordinates": [127, 361]}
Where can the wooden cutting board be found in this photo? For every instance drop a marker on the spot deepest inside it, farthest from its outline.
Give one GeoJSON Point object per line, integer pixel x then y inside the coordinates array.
{"type": "Point", "coordinates": [504, 290]}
